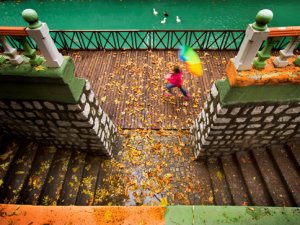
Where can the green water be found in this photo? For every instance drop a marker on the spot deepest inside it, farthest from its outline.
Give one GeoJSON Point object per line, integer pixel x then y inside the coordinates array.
{"type": "Point", "coordinates": [134, 14]}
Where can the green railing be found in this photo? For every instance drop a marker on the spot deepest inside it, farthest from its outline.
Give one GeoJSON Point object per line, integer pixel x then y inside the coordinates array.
{"type": "Point", "coordinates": [146, 39]}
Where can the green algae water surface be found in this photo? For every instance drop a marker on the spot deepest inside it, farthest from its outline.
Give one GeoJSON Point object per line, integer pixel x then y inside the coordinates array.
{"type": "Point", "coordinates": [138, 14]}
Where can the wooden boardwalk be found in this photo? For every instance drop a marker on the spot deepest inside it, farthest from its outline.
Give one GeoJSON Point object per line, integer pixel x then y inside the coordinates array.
{"type": "Point", "coordinates": [130, 85]}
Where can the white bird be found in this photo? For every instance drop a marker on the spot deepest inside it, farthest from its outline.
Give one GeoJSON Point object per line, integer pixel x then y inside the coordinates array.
{"type": "Point", "coordinates": [155, 12]}
{"type": "Point", "coordinates": [164, 20]}
{"type": "Point", "coordinates": [177, 19]}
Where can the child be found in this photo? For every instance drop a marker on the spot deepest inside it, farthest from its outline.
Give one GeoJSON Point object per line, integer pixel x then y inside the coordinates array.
{"type": "Point", "coordinates": [175, 80]}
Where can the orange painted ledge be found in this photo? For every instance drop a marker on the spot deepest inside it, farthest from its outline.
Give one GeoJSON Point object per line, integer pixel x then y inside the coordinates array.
{"type": "Point", "coordinates": [13, 31]}
{"type": "Point", "coordinates": [269, 75]}
{"type": "Point", "coordinates": [89, 215]}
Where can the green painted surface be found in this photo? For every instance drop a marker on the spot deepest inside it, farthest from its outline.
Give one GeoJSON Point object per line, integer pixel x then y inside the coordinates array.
{"type": "Point", "coordinates": [232, 215]}
{"type": "Point", "coordinates": [138, 14]}
{"type": "Point", "coordinates": [179, 215]}
{"type": "Point", "coordinates": [263, 17]}
{"type": "Point", "coordinates": [297, 61]}
{"type": "Point", "coordinates": [32, 18]}
{"type": "Point", "coordinates": [24, 82]}
{"type": "Point", "coordinates": [257, 94]}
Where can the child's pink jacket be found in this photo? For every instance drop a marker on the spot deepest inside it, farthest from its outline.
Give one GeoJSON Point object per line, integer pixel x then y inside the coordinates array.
{"type": "Point", "coordinates": [175, 79]}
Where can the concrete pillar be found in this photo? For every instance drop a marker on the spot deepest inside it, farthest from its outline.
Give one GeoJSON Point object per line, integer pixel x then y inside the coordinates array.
{"type": "Point", "coordinates": [35, 60]}
{"type": "Point", "coordinates": [40, 33]}
{"type": "Point", "coordinates": [11, 52]}
{"type": "Point", "coordinates": [256, 33]}
{"type": "Point", "coordinates": [260, 61]}
{"type": "Point", "coordinates": [281, 60]}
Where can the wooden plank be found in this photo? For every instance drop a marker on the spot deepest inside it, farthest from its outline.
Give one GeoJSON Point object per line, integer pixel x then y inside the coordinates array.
{"type": "Point", "coordinates": [34, 184]}
{"type": "Point", "coordinates": [54, 182]}
{"type": "Point", "coordinates": [18, 173]}
{"type": "Point", "coordinates": [235, 181]}
{"type": "Point", "coordinates": [258, 193]}
{"type": "Point", "coordinates": [220, 187]}
{"type": "Point", "coordinates": [87, 187]}
{"type": "Point", "coordinates": [289, 172]}
{"type": "Point", "coordinates": [72, 179]}
{"type": "Point", "coordinates": [272, 179]}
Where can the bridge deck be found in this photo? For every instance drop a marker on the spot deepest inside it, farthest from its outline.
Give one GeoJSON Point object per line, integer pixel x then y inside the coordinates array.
{"type": "Point", "coordinates": [130, 85]}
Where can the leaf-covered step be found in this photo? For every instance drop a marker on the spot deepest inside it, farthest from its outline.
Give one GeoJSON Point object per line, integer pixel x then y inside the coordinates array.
{"type": "Point", "coordinates": [72, 179]}
{"type": "Point", "coordinates": [222, 194]}
{"type": "Point", "coordinates": [259, 195]}
{"type": "Point", "coordinates": [54, 182]}
{"type": "Point", "coordinates": [18, 174]}
{"type": "Point", "coordinates": [288, 171]}
{"type": "Point", "coordinates": [40, 168]}
{"type": "Point", "coordinates": [271, 178]}
{"type": "Point", "coordinates": [8, 150]}
{"type": "Point", "coordinates": [88, 182]}
{"type": "Point", "coordinates": [235, 182]}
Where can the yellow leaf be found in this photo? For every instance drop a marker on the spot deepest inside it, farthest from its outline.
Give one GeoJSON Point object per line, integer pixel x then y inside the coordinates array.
{"type": "Point", "coordinates": [5, 155]}
{"type": "Point", "coordinates": [164, 201]}
{"type": "Point", "coordinates": [103, 99]}
{"type": "Point", "coordinates": [211, 199]}
{"type": "Point", "coordinates": [39, 68]}
{"type": "Point", "coordinates": [107, 216]}
{"type": "Point", "coordinates": [1, 182]}
{"type": "Point", "coordinates": [220, 176]}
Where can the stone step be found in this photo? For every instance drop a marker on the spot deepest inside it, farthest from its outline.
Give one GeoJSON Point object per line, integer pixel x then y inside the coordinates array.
{"type": "Point", "coordinates": [18, 173]}
{"type": "Point", "coordinates": [38, 174]}
{"type": "Point", "coordinates": [221, 192]}
{"type": "Point", "coordinates": [206, 192]}
{"type": "Point", "coordinates": [288, 171]}
{"type": "Point", "coordinates": [235, 181]}
{"type": "Point", "coordinates": [72, 179]}
{"type": "Point", "coordinates": [294, 149]}
{"type": "Point", "coordinates": [54, 182]}
{"type": "Point", "coordinates": [8, 150]}
{"type": "Point", "coordinates": [259, 195]}
{"type": "Point", "coordinates": [89, 179]}
{"type": "Point", "coordinates": [271, 178]}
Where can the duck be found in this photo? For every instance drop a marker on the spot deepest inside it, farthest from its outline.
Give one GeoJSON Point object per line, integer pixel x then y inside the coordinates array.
{"type": "Point", "coordinates": [166, 14]}
{"type": "Point", "coordinates": [177, 19]}
{"type": "Point", "coordinates": [155, 12]}
{"type": "Point", "coordinates": [164, 20]}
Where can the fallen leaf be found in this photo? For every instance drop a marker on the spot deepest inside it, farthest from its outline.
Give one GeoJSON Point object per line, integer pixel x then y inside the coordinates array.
{"type": "Point", "coordinates": [164, 201]}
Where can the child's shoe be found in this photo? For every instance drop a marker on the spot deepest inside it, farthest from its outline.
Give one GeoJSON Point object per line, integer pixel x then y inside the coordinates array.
{"type": "Point", "coordinates": [187, 97]}
{"type": "Point", "coordinates": [167, 95]}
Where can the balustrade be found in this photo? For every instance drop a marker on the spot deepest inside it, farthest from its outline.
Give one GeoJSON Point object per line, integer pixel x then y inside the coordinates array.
{"type": "Point", "coordinates": [39, 32]}
{"type": "Point", "coordinates": [255, 35]}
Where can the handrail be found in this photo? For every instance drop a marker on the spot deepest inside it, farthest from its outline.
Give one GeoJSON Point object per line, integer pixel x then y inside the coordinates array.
{"type": "Point", "coordinates": [284, 31]}
{"type": "Point", "coordinates": [13, 31]}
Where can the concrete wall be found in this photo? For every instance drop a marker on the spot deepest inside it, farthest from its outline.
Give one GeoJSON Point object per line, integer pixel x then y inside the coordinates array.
{"type": "Point", "coordinates": [223, 129]}
{"type": "Point", "coordinates": [82, 126]}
